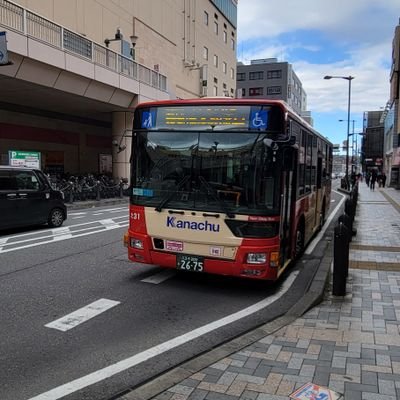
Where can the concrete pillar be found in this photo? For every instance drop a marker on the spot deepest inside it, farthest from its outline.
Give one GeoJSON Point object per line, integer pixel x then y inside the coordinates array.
{"type": "Point", "coordinates": [121, 137]}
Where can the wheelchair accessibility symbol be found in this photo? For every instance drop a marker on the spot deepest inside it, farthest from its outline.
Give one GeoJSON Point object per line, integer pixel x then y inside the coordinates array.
{"type": "Point", "coordinates": [258, 119]}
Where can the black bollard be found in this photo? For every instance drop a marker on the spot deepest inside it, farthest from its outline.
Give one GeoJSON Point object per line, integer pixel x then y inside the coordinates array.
{"type": "Point", "coordinates": [340, 260]}
{"type": "Point", "coordinates": [348, 208]}
{"type": "Point", "coordinates": [121, 189]}
{"type": "Point", "coordinates": [348, 223]}
{"type": "Point", "coordinates": [98, 197]}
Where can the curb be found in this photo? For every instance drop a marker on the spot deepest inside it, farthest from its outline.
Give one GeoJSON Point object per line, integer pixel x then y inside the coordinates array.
{"type": "Point", "coordinates": [166, 380]}
{"type": "Point", "coordinates": [96, 203]}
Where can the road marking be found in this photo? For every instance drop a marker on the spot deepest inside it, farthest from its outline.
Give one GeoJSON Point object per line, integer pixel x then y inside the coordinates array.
{"type": "Point", "coordinates": [82, 315]}
{"type": "Point", "coordinates": [160, 277]}
{"type": "Point", "coordinates": [3, 241]}
{"type": "Point", "coordinates": [77, 213]}
{"type": "Point", "coordinates": [78, 217]}
{"type": "Point", "coordinates": [61, 233]}
{"type": "Point", "coordinates": [109, 223]}
{"type": "Point", "coordinates": [120, 366]}
{"type": "Point", "coordinates": [313, 244]}
{"type": "Point", "coordinates": [113, 209]}
{"type": "Point", "coordinates": [53, 238]}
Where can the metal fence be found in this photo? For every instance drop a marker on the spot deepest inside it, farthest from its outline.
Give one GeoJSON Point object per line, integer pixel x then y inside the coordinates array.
{"type": "Point", "coordinates": [21, 20]}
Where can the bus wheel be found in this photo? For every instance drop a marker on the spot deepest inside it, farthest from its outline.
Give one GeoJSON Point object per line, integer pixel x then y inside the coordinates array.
{"type": "Point", "coordinates": [299, 242]}
{"type": "Point", "coordinates": [56, 218]}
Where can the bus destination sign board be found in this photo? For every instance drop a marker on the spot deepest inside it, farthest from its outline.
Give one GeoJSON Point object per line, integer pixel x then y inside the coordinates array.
{"type": "Point", "coordinates": [212, 117]}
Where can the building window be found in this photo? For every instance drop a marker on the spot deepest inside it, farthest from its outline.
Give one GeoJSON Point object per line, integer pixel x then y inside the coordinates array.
{"type": "Point", "coordinates": [274, 90]}
{"type": "Point", "coordinates": [274, 74]}
{"type": "Point", "coordinates": [225, 37]}
{"type": "Point", "coordinates": [224, 67]}
{"type": "Point", "coordinates": [232, 73]}
{"type": "Point", "coordinates": [257, 91]}
{"type": "Point", "coordinates": [215, 91]}
{"type": "Point", "coordinates": [243, 92]}
{"type": "Point", "coordinates": [205, 18]}
{"type": "Point", "coordinates": [215, 79]}
{"type": "Point", "coordinates": [216, 28]}
{"type": "Point", "coordinates": [241, 76]}
{"type": "Point", "coordinates": [205, 53]}
{"type": "Point", "coordinates": [215, 61]}
{"type": "Point", "coordinates": [233, 44]}
{"type": "Point", "coordinates": [256, 75]}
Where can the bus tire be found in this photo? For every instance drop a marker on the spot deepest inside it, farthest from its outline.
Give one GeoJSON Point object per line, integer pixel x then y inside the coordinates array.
{"type": "Point", "coordinates": [299, 249]}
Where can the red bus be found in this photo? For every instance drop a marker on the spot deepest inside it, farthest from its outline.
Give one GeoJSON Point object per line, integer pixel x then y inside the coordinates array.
{"type": "Point", "coordinates": [225, 186]}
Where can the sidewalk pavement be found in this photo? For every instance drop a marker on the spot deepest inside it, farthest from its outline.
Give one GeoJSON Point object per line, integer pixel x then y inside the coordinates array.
{"type": "Point", "coordinates": [350, 344]}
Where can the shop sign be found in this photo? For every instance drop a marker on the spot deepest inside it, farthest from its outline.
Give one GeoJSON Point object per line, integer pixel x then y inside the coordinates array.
{"type": "Point", "coordinates": [19, 158]}
{"type": "Point", "coordinates": [105, 163]}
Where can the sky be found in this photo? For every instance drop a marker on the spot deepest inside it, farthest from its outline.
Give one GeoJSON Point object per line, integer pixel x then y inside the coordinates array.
{"type": "Point", "coordinates": [325, 37]}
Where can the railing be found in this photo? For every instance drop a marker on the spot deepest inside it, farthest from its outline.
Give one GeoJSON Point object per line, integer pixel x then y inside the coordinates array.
{"type": "Point", "coordinates": [21, 20]}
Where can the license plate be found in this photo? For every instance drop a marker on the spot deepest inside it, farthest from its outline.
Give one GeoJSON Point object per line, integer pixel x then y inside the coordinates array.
{"type": "Point", "coordinates": [189, 263]}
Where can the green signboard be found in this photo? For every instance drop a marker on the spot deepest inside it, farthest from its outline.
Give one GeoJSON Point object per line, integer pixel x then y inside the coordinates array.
{"type": "Point", "coordinates": [29, 159]}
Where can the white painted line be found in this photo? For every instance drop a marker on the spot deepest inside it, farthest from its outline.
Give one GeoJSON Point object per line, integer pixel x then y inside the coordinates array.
{"type": "Point", "coordinates": [82, 315]}
{"type": "Point", "coordinates": [52, 230]}
{"type": "Point", "coordinates": [51, 240]}
{"type": "Point", "coordinates": [313, 244]}
{"type": "Point", "coordinates": [78, 217]}
{"type": "Point", "coordinates": [109, 223]}
{"type": "Point", "coordinates": [113, 209]}
{"type": "Point", "coordinates": [160, 277]}
{"type": "Point", "coordinates": [77, 213]}
{"type": "Point", "coordinates": [3, 241]}
{"type": "Point", "coordinates": [101, 374]}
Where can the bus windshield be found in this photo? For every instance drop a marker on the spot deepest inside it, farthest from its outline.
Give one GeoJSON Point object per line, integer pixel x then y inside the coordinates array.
{"type": "Point", "coordinates": [230, 172]}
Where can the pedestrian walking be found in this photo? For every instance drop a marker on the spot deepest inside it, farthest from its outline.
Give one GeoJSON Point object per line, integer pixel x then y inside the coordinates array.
{"type": "Point", "coordinates": [373, 180]}
{"type": "Point", "coordinates": [367, 178]}
{"type": "Point", "coordinates": [383, 179]}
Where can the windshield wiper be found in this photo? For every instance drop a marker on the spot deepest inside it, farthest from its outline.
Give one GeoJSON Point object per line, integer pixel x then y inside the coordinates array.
{"type": "Point", "coordinates": [170, 195]}
{"type": "Point", "coordinates": [214, 194]}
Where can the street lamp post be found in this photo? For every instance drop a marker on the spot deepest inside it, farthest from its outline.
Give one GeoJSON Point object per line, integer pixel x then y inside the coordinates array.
{"type": "Point", "coordinates": [349, 79]}
{"type": "Point", "coordinates": [353, 146]}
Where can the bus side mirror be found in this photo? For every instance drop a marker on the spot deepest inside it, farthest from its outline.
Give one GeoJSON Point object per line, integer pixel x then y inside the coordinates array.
{"type": "Point", "coordinates": [292, 140]}
{"type": "Point", "coordinates": [270, 143]}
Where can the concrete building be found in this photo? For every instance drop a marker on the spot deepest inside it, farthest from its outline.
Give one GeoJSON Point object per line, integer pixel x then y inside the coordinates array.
{"type": "Point", "coordinates": [372, 142]}
{"type": "Point", "coordinates": [80, 67]}
{"type": "Point", "coordinates": [268, 78]}
{"type": "Point", "coordinates": [391, 117]}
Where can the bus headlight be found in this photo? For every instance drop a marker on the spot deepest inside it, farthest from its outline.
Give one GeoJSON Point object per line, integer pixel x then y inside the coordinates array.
{"type": "Point", "coordinates": [136, 244]}
{"type": "Point", "coordinates": [256, 258]}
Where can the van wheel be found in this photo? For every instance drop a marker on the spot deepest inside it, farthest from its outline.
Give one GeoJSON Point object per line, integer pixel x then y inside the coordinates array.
{"type": "Point", "coordinates": [56, 218]}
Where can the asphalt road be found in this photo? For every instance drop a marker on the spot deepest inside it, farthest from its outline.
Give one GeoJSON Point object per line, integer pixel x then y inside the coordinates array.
{"type": "Point", "coordinates": [79, 321]}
